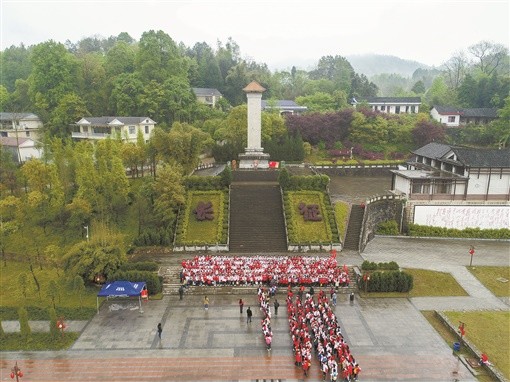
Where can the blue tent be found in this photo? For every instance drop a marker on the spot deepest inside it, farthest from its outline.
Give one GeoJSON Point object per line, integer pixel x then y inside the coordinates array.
{"type": "Point", "coordinates": [121, 289]}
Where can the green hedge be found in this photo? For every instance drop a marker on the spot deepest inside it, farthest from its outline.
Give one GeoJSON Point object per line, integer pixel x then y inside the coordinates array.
{"type": "Point", "coordinates": [427, 231]}
{"type": "Point", "coordinates": [150, 266]}
{"type": "Point", "coordinates": [371, 266]}
{"type": "Point", "coordinates": [154, 236]}
{"type": "Point", "coordinates": [209, 183]}
{"type": "Point", "coordinates": [154, 282]}
{"type": "Point", "coordinates": [389, 227]}
{"type": "Point", "coordinates": [390, 281]}
{"type": "Point", "coordinates": [308, 182]}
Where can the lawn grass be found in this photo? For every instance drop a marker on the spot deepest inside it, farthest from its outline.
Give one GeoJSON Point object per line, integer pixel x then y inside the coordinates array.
{"type": "Point", "coordinates": [309, 231]}
{"type": "Point", "coordinates": [434, 284]}
{"type": "Point", "coordinates": [342, 217]}
{"type": "Point", "coordinates": [203, 231]}
{"type": "Point", "coordinates": [490, 333]}
{"type": "Point", "coordinates": [425, 284]}
{"type": "Point", "coordinates": [488, 277]}
{"type": "Point", "coordinates": [37, 341]}
{"type": "Point", "coordinates": [13, 297]}
{"type": "Point", "coordinates": [450, 338]}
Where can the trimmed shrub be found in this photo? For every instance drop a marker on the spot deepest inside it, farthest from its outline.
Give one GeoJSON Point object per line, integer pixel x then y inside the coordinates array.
{"type": "Point", "coordinates": [150, 266]}
{"type": "Point", "coordinates": [389, 227]}
{"type": "Point", "coordinates": [2, 332]}
{"type": "Point", "coordinates": [371, 266]}
{"type": "Point", "coordinates": [154, 284]}
{"type": "Point", "coordinates": [427, 231]}
{"type": "Point", "coordinates": [391, 281]}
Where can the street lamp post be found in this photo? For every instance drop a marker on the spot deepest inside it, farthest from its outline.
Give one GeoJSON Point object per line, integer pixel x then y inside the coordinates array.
{"type": "Point", "coordinates": [87, 230]}
{"type": "Point", "coordinates": [16, 372]}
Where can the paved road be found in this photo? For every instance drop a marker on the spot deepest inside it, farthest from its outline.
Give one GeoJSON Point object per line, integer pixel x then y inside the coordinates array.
{"type": "Point", "coordinates": [389, 337]}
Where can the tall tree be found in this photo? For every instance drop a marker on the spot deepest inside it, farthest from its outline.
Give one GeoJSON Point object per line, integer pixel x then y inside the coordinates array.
{"type": "Point", "coordinates": [92, 77]}
{"type": "Point", "coordinates": [455, 70]}
{"type": "Point", "coordinates": [489, 56]}
{"type": "Point", "coordinates": [54, 74]}
{"type": "Point", "coordinates": [169, 192]}
{"type": "Point", "coordinates": [70, 109]}
{"type": "Point", "coordinates": [125, 97]}
{"type": "Point", "coordinates": [158, 58]}
{"type": "Point", "coordinates": [15, 64]}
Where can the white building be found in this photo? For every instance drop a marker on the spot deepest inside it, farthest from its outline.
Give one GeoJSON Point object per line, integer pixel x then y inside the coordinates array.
{"type": "Point", "coordinates": [208, 96]}
{"type": "Point", "coordinates": [22, 125]}
{"type": "Point", "coordinates": [283, 106]}
{"type": "Point", "coordinates": [392, 105]}
{"type": "Point", "coordinates": [125, 128]}
{"type": "Point", "coordinates": [21, 149]}
{"type": "Point", "coordinates": [455, 187]}
{"type": "Point", "coordinates": [454, 117]}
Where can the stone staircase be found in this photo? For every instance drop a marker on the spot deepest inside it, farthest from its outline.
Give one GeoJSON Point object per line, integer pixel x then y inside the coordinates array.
{"type": "Point", "coordinates": [256, 214]}
{"type": "Point", "coordinates": [354, 228]}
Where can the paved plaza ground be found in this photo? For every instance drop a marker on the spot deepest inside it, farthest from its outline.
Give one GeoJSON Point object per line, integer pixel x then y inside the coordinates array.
{"type": "Point", "coordinates": [389, 338]}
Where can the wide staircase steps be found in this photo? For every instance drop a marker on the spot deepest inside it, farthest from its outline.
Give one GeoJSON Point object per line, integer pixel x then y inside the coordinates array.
{"type": "Point", "coordinates": [354, 228]}
{"type": "Point", "coordinates": [256, 214]}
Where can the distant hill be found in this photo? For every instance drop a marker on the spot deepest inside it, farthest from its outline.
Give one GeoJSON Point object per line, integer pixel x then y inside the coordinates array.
{"type": "Point", "coordinates": [373, 64]}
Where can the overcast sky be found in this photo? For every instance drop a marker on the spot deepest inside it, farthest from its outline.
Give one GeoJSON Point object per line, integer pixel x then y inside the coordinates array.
{"type": "Point", "coordinates": [280, 33]}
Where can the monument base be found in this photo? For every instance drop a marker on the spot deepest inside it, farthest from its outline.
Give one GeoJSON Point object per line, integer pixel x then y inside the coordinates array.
{"type": "Point", "coordinates": [253, 160]}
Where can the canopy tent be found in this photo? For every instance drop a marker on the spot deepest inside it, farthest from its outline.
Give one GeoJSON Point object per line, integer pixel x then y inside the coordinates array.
{"type": "Point", "coordinates": [121, 289]}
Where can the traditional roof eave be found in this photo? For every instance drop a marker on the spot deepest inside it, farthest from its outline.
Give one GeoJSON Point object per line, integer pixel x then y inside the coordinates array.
{"type": "Point", "coordinates": [254, 87]}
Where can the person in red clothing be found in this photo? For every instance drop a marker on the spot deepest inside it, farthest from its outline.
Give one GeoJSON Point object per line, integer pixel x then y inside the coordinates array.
{"type": "Point", "coordinates": [241, 304]}
{"type": "Point", "coordinates": [306, 366]}
{"type": "Point", "coordinates": [298, 357]}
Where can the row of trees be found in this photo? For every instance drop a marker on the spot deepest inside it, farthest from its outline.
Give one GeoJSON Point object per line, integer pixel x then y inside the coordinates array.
{"type": "Point", "coordinates": [154, 76]}
{"type": "Point", "coordinates": [478, 77]}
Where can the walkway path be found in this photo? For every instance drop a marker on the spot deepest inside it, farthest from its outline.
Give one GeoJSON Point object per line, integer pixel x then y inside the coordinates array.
{"type": "Point", "coordinates": [445, 255]}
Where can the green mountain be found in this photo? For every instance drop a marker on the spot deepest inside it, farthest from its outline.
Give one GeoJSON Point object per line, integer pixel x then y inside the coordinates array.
{"type": "Point", "coordinates": [373, 64]}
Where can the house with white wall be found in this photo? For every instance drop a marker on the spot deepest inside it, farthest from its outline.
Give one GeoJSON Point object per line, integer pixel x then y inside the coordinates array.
{"type": "Point", "coordinates": [21, 125]}
{"type": "Point", "coordinates": [284, 107]}
{"type": "Point", "coordinates": [392, 105]}
{"type": "Point", "coordinates": [455, 187]}
{"type": "Point", "coordinates": [207, 96]}
{"type": "Point", "coordinates": [455, 117]}
{"type": "Point", "coordinates": [21, 149]}
{"type": "Point", "coordinates": [125, 128]}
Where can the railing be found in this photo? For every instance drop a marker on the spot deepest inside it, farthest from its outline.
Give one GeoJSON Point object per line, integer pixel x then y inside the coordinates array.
{"type": "Point", "coordinates": [90, 135]}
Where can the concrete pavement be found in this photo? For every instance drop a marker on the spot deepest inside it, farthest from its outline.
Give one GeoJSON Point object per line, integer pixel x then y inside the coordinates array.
{"type": "Point", "coordinates": [390, 338]}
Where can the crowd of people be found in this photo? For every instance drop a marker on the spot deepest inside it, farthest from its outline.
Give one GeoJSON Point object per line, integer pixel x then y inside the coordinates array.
{"type": "Point", "coordinates": [266, 320]}
{"type": "Point", "coordinates": [275, 270]}
{"type": "Point", "coordinates": [315, 330]}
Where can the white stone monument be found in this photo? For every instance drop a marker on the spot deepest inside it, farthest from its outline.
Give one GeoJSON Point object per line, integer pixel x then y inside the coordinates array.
{"type": "Point", "coordinates": [254, 156]}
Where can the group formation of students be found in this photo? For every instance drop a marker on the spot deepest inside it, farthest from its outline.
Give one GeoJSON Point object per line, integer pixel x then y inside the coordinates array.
{"type": "Point", "coordinates": [282, 270]}
{"type": "Point", "coordinates": [314, 329]}
{"type": "Point", "coordinates": [266, 320]}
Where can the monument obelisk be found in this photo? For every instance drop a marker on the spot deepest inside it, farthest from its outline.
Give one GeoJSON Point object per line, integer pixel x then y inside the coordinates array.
{"type": "Point", "coordinates": [254, 156]}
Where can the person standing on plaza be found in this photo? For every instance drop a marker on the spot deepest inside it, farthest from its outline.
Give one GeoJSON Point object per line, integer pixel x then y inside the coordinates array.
{"type": "Point", "coordinates": [206, 303]}
{"type": "Point", "coordinates": [181, 292]}
{"type": "Point", "coordinates": [276, 306]}
{"type": "Point", "coordinates": [333, 298]}
{"type": "Point", "coordinates": [241, 305]}
{"type": "Point", "coordinates": [160, 330]}
{"type": "Point", "coordinates": [248, 315]}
